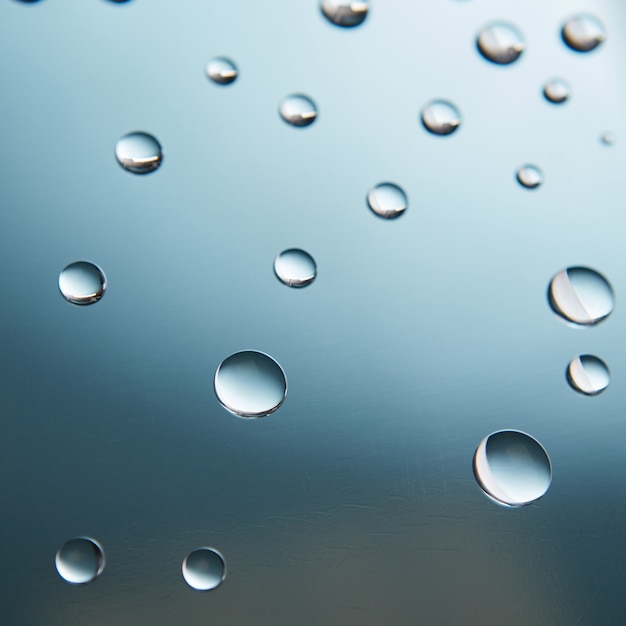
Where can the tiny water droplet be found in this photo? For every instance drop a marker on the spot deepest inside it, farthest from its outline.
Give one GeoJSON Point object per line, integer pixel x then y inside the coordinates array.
{"type": "Point", "coordinates": [529, 176]}
{"type": "Point", "coordinates": [139, 153]}
{"type": "Point", "coordinates": [250, 384]}
{"type": "Point", "coordinates": [581, 296]}
{"type": "Point", "coordinates": [387, 200]}
{"type": "Point", "coordinates": [441, 117]}
{"type": "Point", "coordinates": [82, 283]}
{"type": "Point", "coordinates": [512, 468]}
{"type": "Point", "coordinates": [588, 374]}
{"type": "Point", "coordinates": [222, 71]}
{"type": "Point", "coordinates": [557, 91]}
{"type": "Point", "coordinates": [298, 110]}
{"type": "Point", "coordinates": [80, 560]}
{"type": "Point", "coordinates": [344, 12]}
{"type": "Point", "coordinates": [608, 138]}
{"type": "Point", "coordinates": [500, 43]}
{"type": "Point", "coordinates": [204, 569]}
{"type": "Point", "coordinates": [295, 268]}
{"type": "Point", "coordinates": [583, 33]}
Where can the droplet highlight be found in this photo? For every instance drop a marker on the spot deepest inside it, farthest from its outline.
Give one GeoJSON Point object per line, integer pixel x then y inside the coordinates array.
{"type": "Point", "coordinates": [298, 110]}
{"type": "Point", "coordinates": [529, 176]}
{"type": "Point", "coordinates": [441, 117]}
{"type": "Point", "coordinates": [82, 283]}
{"type": "Point", "coordinates": [139, 153]}
{"type": "Point", "coordinates": [295, 268]}
{"type": "Point", "coordinates": [557, 91]}
{"type": "Point", "coordinates": [387, 200]}
{"type": "Point", "coordinates": [608, 139]}
{"type": "Point", "coordinates": [344, 13]}
{"type": "Point", "coordinates": [250, 384]}
{"type": "Point", "coordinates": [222, 71]}
{"type": "Point", "coordinates": [80, 560]}
{"type": "Point", "coordinates": [500, 43]}
{"type": "Point", "coordinates": [583, 33]}
{"type": "Point", "coordinates": [588, 375]}
{"type": "Point", "coordinates": [512, 468]}
{"type": "Point", "coordinates": [204, 569]}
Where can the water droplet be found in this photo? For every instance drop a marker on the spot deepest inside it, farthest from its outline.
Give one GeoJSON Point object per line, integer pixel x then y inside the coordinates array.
{"type": "Point", "coordinates": [500, 43]}
{"type": "Point", "coordinates": [82, 283]}
{"type": "Point", "coordinates": [344, 13]}
{"type": "Point", "coordinates": [583, 33]}
{"type": "Point", "coordinates": [139, 153]}
{"type": "Point", "coordinates": [588, 374]}
{"type": "Point", "coordinates": [298, 110]}
{"type": "Point", "coordinates": [608, 138]}
{"type": "Point", "coordinates": [295, 268]}
{"type": "Point", "coordinates": [512, 468]}
{"type": "Point", "coordinates": [222, 71]}
{"type": "Point", "coordinates": [250, 384]}
{"type": "Point", "coordinates": [441, 117]}
{"type": "Point", "coordinates": [529, 176]}
{"type": "Point", "coordinates": [204, 569]}
{"type": "Point", "coordinates": [581, 296]}
{"type": "Point", "coordinates": [557, 91]}
{"type": "Point", "coordinates": [80, 560]}
{"type": "Point", "coordinates": [387, 200]}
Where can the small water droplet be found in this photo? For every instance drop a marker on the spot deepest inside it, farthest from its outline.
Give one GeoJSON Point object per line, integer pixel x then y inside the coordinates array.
{"type": "Point", "coordinates": [608, 138]}
{"type": "Point", "coordinates": [295, 268]}
{"type": "Point", "coordinates": [500, 43]}
{"type": "Point", "coordinates": [298, 110]}
{"type": "Point", "coordinates": [588, 374]}
{"type": "Point", "coordinates": [222, 71]}
{"type": "Point", "coordinates": [529, 176]}
{"type": "Point", "coordinates": [204, 569]}
{"type": "Point", "coordinates": [512, 468]}
{"type": "Point", "coordinates": [583, 33]}
{"type": "Point", "coordinates": [441, 117]}
{"type": "Point", "coordinates": [581, 296]}
{"type": "Point", "coordinates": [344, 12]}
{"type": "Point", "coordinates": [250, 384]}
{"type": "Point", "coordinates": [139, 153]}
{"type": "Point", "coordinates": [557, 91]}
{"type": "Point", "coordinates": [82, 283]}
{"type": "Point", "coordinates": [387, 200]}
{"type": "Point", "coordinates": [80, 560]}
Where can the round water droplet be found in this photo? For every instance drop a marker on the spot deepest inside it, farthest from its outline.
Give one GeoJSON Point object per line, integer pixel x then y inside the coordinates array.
{"type": "Point", "coordinates": [80, 560]}
{"type": "Point", "coordinates": [529, 176]}
{"type": "Point", "coordinates": [441, 117]}
{"type": "Point", "coordinates": [583, 33]}
{"type": "Point", "coordinates": [588, 374]}
{"type": "Point", "coordinates": [557, 91]}
{"type": "Point", "coordinates": [250, 384]}
{"type": "Point", "coordinates": [82, 283]}
{"type": "Point", "coordinates": [221, 71]}
{"type": "Point", "coordinates": [344, 13]}
{"type": "Point", "coordinates": [581, 296]}
{"type": "Point", "coordinates": [512, 468]}
{"type": "Point", "coordinates": [608, 139]}
{"type": "Point", "coordinates": [298, 110]}
{"type": "Point", "coordinates": [204, 569]}
{"type": "Point", "coordinates": [387, 200]}
{"type": "Point", "coordinates": [295, 268]}
{"type": "Point", "coordinates": [500, 43]}
{"type": "Point", "coordinates": [139, 153]}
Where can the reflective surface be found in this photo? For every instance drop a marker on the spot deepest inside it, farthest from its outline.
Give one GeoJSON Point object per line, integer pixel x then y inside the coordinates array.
{"type": "Point", "coordinates": [441, 117]}
{"type": "Point", "coordinates": [295, 268]}
{"type": "Point", "coordinates": [588, 375]}
{"type": "Point", "coordinates": [387, 200]}
{"type": "Point", "coordinates": [529, 176]}
{"type": "Point", "coordinates": [79, 561]}
{"type": "Point", "coordinates": [82, 283]}
{"type": "Point", "coordinates": [204, 569]}
{"type": "Point", "coordinates": [139, 153]}
{"type": "Point", "coordinates": [346, 13]}
{"type": "Point", "coordinates": [222, 71]}
{"type": "Point", "coordinates": [583, 33]}
{"type": "Point", "coordinates": [298, 110]}
{"type": "Point", "coordinates": [557, 91]}
{"type": "Point", "coordinates": [500, 43]}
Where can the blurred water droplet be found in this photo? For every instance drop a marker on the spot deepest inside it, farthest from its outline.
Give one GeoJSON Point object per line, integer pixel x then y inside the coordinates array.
{"type": "Point", "coordinates": [557, 91]}
{"type": "Point", "coordinates": [581, 296]}
{"type": "Point", "coordinates": [250, 384]}
{"type": "Point", "coordinates": [222, 71]}
{"type": "Point", "coordinates": [583, 33]}
{"type": "Point", "coordinates": [500, 43]}
{"type": "Point", "coordinates": [80, 560]}
{"type": "Point", "coordinates": [608, 139]}
{"type": "Point", "coordinates": [588, 374]}
{"type": "Point", "coordinates": [441, 117]}
{"type": "Point", "coordinates": [139, 153]}
{"type": "Point", "coordinates": [345, 13]}
{"type": "Point", "coordinates": [204, 569]}
{"type": "Point", "coordinates": [512, 468]}
{"type": "Point", "coordinates": [82, 283]}
{"type": "Point", "coordinates": [529, 176]}
{"type": "Point", "coordinates": [387, 200]}
{"type": "Point", "coordinates": [295, 268]}
{"type": "Point", "coordinates": [298, 110]}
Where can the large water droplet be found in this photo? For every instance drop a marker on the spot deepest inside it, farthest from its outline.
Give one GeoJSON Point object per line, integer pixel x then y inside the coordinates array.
{"type": "Point", "coordinates": [204, 569]}
{"type": "Point", "coordinates": [139, 153]}
{"type": "Point", "coordinates": [80, 560]}
{"type": "Point", "coordinates": [583, 33]}
{"type": "Point", "coordinates": [82, 283]}
{"type": "Point", "coordinates": [387, 200]}
{"type": "Point", "coordinates": [500, 43]}
{"type": "Point", "coordinates": [344, 13]}
{"type": "Point", "coordinates": [581, 296]}
{"type": "Point", "coordinates": [557, 91]}
{"type": "Point", "coordinates": [221, 71]}
{"type": "Point", "coordinates": [588, 374]}
{"type": "Point", "coordinates": [298, 110]}
{"type": "Point", "coordinates": [529, 176]}
{"type": "Point", "coordinates": [295, 268]}
{"type": "Point", "coordinates": [250, 384]}
{"type": "Point", "coordinates": [512, 468]}
{"type": "Point", "coordinates": [441, 117]}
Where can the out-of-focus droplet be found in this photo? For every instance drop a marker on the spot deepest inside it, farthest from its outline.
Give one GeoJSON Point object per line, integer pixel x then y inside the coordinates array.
{"type": "Point", "coordinates": [557, 91]}
{"type": "Point", "coordinates": [608, 138]}
{"type": "Point", "coordinates": [80, 560]}
{"type": "Point", "coordinates": [139, 153]}
{"type": "Point", "coordinates": [344, 12]}
{"type": "Point", "coordinates": [222, 71]}
{"type": "Point", "coordinates": [588, 375]}
{"type": "Point", "coordinates": [583, 33]}
{"type": "Point", "coordinates": [500, 43]}
{"type": "Point", "coordinates": [204, 569]}
{"type": "Point", "coordinates": [295, 268]}
{"type": "Point", "coordinates": [298, 110]}
{"type": "Point", "coordinates": [441, 117]}
{"type": "Point", "coordinates": [387, 200]}
{"type": "Point", "coordinates": [529, 176]}
{"type": "Point", "coordinates": [82, 283]}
